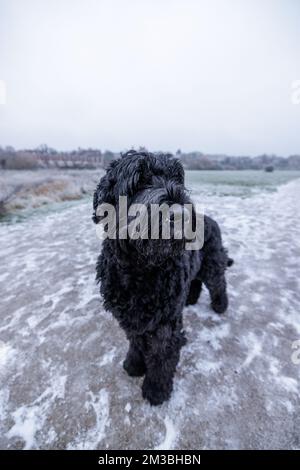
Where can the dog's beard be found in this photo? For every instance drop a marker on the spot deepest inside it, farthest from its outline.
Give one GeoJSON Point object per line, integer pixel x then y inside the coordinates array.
{"type": "Point", "coordinates": [155, 252]}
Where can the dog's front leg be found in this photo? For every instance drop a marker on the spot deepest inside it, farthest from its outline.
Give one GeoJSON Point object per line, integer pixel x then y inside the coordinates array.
{"type": "Point", "coordinates": [134, 363]}
{"type": "Point", "coordinates": [161, 356]}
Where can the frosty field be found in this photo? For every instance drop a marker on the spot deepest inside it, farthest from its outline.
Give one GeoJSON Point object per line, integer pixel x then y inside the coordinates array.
{"type": "Point", "coordinates": [61, 354]}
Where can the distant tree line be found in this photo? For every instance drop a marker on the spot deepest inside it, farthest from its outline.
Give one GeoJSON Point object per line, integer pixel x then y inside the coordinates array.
{"type": "Point", "coordinates": [200, 161]}
{"type": "Point", "coordinates": [47, 157]}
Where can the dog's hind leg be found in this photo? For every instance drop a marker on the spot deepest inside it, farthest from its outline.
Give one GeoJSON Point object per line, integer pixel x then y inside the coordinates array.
{"type": "Point", "coordinates": [134, 363]}
{"type": "Point", "coordinates": [194, 292]}
{"type": "Point", "coordinates": [214, 265]}
{"type": "Point", "coordinates": [213, 276]}
{"type": "Point", "coordinates": [218, 294]}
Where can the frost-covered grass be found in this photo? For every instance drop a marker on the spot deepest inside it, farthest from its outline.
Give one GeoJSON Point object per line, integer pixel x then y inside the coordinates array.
{"type": "Point", "coordinates": [61, 354]}
{"type": "Point", "coordinates": [22, 191]}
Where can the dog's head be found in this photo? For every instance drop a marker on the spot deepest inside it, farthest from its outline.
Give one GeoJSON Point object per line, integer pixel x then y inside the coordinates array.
{"type": "Point", "coordinates": [149, 181]}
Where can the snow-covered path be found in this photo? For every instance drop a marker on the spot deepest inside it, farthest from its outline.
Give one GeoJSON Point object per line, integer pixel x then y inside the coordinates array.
{"type": "Point", "coordinates": [62, 382]}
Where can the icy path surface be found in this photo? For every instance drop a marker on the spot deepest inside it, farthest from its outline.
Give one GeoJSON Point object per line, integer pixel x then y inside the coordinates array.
{"type": "Point", "coordinates": [62, 382]}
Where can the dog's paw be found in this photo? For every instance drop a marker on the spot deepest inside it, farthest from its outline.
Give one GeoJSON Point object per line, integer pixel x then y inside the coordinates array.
{"type": "Point", "coordinates": [155, 393]}
{"type": "Point", "coordinates": [134, 368]}
{"type": "Point", "coordinates": [220, 303]}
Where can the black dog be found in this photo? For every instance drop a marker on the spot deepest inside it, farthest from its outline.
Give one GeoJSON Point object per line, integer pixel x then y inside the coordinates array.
{"type": "Point", "coordinates": [147, 283]}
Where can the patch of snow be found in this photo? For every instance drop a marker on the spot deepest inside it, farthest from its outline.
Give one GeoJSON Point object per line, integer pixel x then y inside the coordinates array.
{"type": "Point", "coordinates": [29, 419]}
{"type": "Point", "coordinates": [6, 353]}
{"type": "Point", "coordinates": [99, 403]}
{"type": "Point", "coordinates": [170, 437]}
{"type": "Point", "coordinates": [290, 384]}
{"type": "Point", "coordinates": [254, 347]}
{"type": "Point", "coordinates": [127, 421]}
{"type": "Point", "coordinates": [214, 335]}
{"type": "Point", "coordinates": [108, 357]}
{"type": "Point", "coordinates": [128, 407]}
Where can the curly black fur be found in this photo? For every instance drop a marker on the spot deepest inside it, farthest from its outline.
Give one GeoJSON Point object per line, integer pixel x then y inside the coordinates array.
{"type": "Point", "coordinates": [147, 283]}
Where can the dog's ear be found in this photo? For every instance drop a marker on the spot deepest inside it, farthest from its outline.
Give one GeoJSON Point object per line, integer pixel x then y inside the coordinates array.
{"type": "Point", "coordinates": [208, 224]}
{"type": "Point", "coordinates": [104, 192]}
{"type": "Point", "coordinates": [123, 178]}
{"type": "Point", "coordinates": [177, 171]}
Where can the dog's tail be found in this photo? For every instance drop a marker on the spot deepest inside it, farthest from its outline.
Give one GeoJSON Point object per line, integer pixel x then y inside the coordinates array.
{"type": "Point", "coordinates": [230, 262]}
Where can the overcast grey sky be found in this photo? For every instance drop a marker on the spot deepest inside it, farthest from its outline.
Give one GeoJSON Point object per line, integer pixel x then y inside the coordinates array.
{"type": "Point", "coordinates": [211, 75]}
